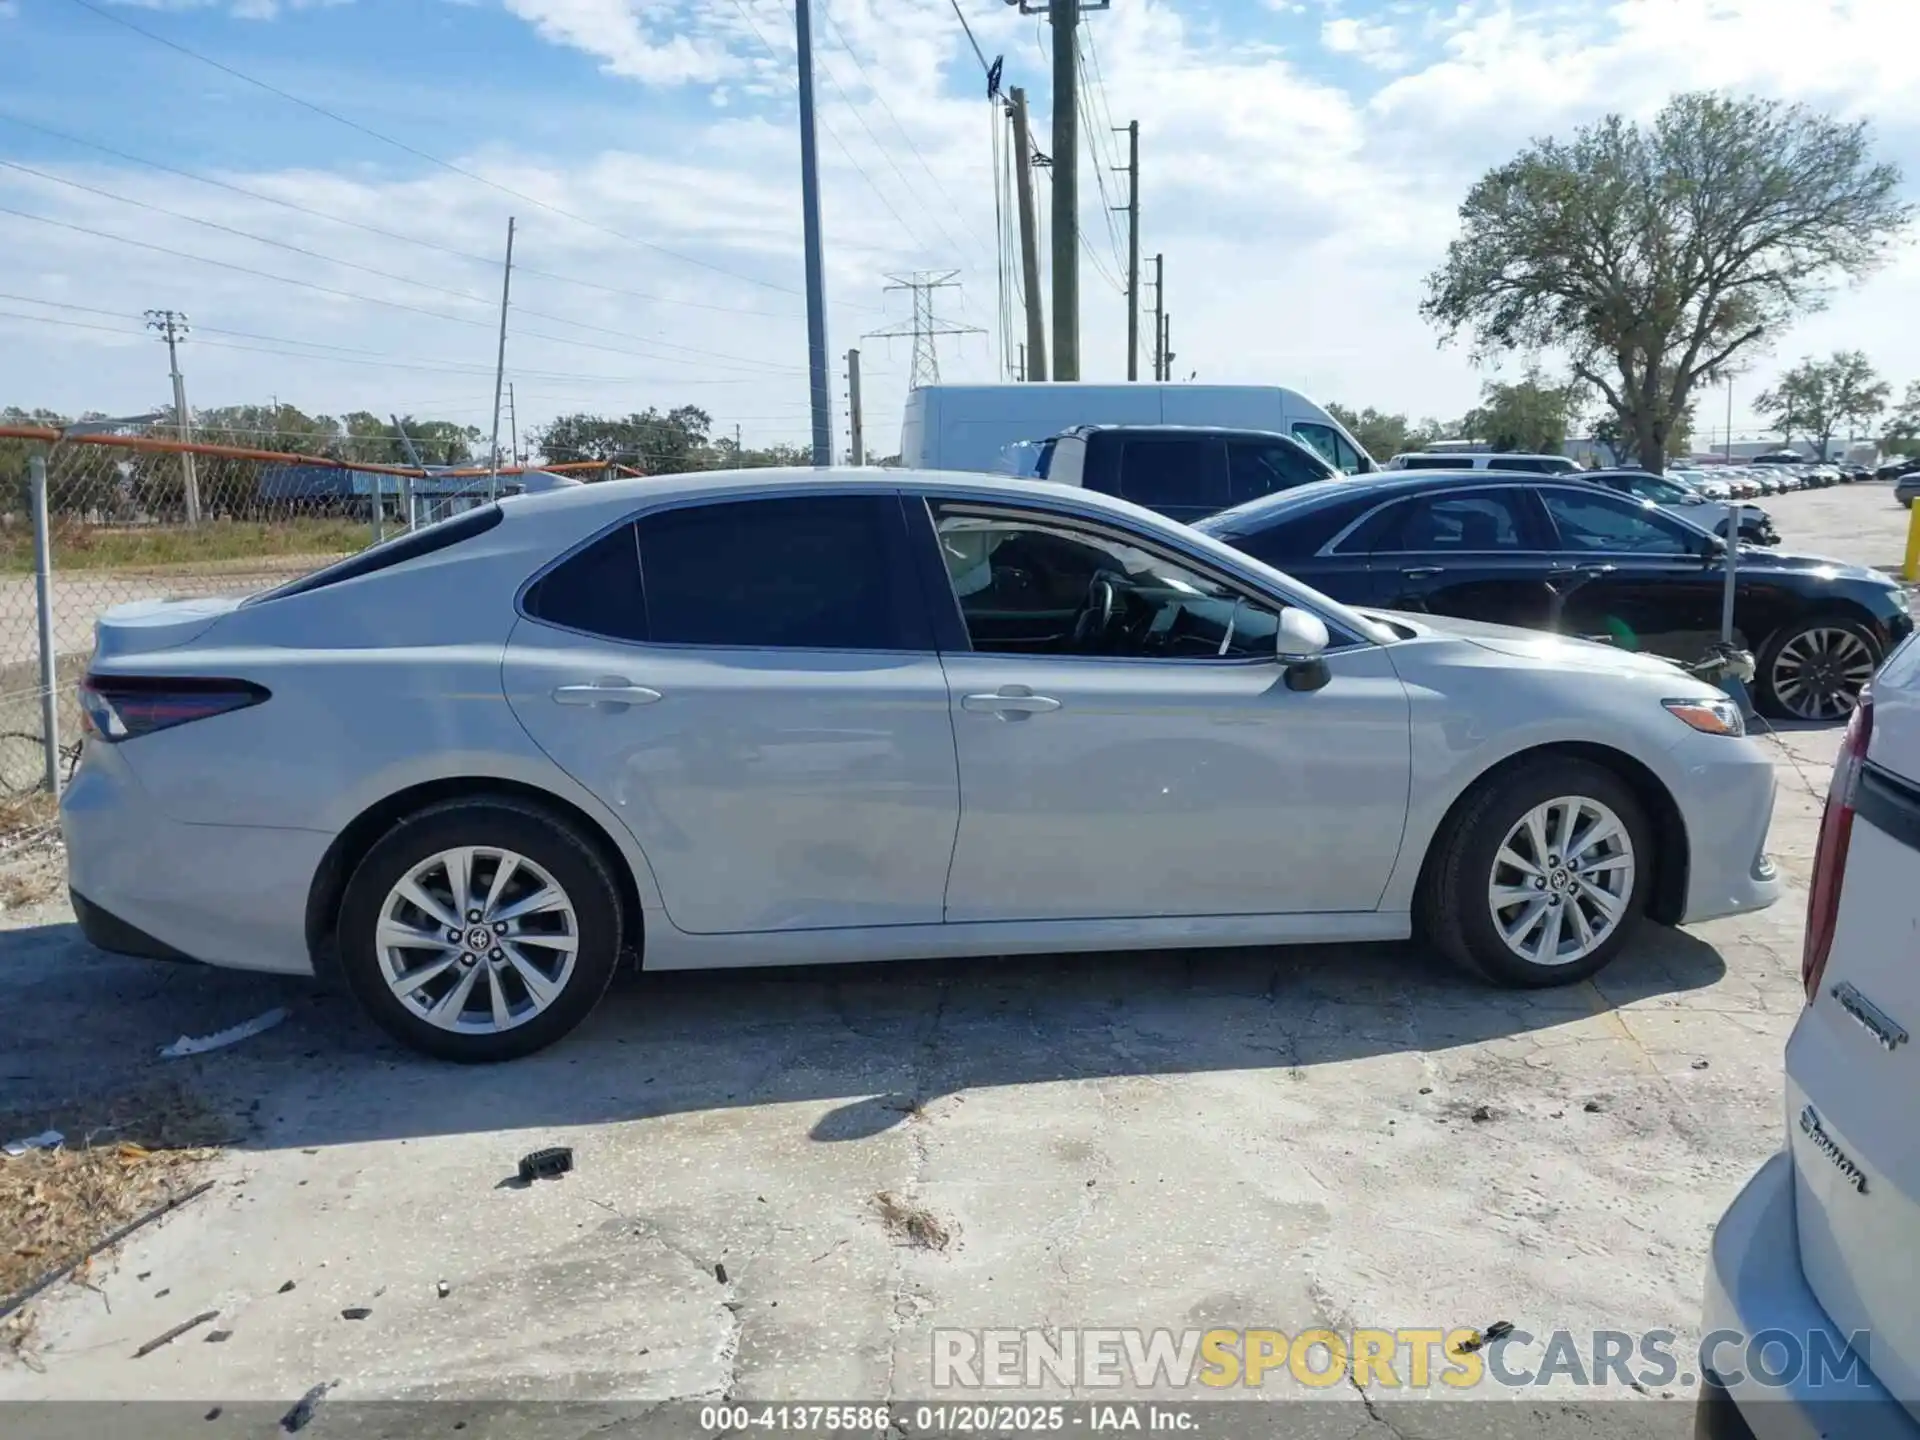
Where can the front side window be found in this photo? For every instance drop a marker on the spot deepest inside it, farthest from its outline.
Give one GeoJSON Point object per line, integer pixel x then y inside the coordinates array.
{"type": "Point", "coordinates": [1029, 585]}
{"type": "Point", "coordinates": [808, 572]}
{"type": "Point", "coordinates": [1331, 446]}
{"type": "Point", "coordinates": [1603, 522]}
{"type": "Point", "coordinates": [1490, 520]}
{"type": "Point", "coordinates": [1257, 468]}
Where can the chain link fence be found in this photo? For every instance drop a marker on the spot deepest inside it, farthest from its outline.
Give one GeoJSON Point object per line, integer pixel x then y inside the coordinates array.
{"type": "Point", "coordinates": [135, 515]}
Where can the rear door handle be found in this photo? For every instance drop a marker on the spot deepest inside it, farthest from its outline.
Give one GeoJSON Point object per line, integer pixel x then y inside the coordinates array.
{"type": "Point", "coordinates": [610, 692]}
{"type": "Point", "coordinates": [1423, 572]}
{"type": "Point", "coordinates": [1011, 702]}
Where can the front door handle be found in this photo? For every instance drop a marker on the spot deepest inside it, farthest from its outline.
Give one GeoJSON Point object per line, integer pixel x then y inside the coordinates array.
{"type": "Point", "coordinates": [1423, 572]}
{"type": "Point", "coordinates": [606, 692]}
{"type": "Point", "coordinates": [1010, 702]}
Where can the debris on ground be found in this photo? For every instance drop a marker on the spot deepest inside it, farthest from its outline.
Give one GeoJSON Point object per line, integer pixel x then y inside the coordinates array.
{"type": "Point", "coordinates": [1482, 1113]}
{"type": "Point", "coordinates": [285, 1286]}
{"type": "Point", "coordinates": [1480, 1339]}
{"type": "Point", "coordinates": [33, 858]}
{"type": "Point", "coordinates": [219, 1337]}
{"type": "Point", "coordinates": [548, 1164]}
{"type": "Point", "coordinates": [442, 1289]}
{"type": "Point", "coordinates": [298, 1417]}
{"type": "Point", "coordinates": [1593, 1107]}
{"type": "Point", "coordinates": [122, 1167]}
{"type": "Point", "coordinates": [1699, 1064]}
{"type": "Point", "coordinates": [220, 1039]}
{"type": "Point", "coordinates": [720, 1272]}
{"type": "Point", "coordinates": [912, 1222]}
{"type": "Point", "coordinates": [167, 1337]}
{"type": "Point", "coordinates": [45, 1140]}
{"type": "Point", "coordinates": [355, 1312]}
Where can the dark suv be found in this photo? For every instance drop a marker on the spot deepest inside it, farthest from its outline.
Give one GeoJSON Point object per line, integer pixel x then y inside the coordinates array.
{"type": "Point", "coordinates": [1185, 472]}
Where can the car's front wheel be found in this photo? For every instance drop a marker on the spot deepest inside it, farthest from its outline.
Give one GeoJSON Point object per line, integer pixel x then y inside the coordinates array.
{"type": "Point", "coordinates": [1540, 875]}
{"type": "Point", "coordinates": [1815, 668]}
{"type": "Point", "coordinates": [480, 930]}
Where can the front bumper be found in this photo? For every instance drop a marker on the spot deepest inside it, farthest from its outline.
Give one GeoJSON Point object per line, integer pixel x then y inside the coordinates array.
{"type": "Point", "coordinates": [1754, 1288]}
{"type": "Point", "coordinates": [1725, 789]}
{"type": "Point", "coordinates": [228, 895]}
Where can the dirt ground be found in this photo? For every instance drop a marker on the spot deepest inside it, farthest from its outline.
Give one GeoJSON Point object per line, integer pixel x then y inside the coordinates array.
{"type": "Point", "coordinates": [786, 1181]}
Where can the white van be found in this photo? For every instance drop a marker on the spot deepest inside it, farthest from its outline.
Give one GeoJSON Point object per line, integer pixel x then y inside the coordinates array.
{"type": "Point", "coordinates": [985, 427]}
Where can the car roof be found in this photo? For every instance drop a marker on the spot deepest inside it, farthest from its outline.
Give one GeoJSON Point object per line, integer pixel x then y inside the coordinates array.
{"type": "Point", "coordinates": [1378, 488]}
{"type": "Point", "coordinates": [1179, 430]}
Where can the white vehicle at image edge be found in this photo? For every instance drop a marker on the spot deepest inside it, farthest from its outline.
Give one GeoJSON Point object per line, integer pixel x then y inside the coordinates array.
{"type": "Point", "coordinates": [781, 717]}
{"type": "Point", "coordinates": [1822, 1247]}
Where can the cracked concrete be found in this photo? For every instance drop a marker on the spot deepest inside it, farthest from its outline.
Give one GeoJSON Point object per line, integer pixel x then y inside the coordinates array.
{"type": "Point", "coordinates": [1279, 1139]}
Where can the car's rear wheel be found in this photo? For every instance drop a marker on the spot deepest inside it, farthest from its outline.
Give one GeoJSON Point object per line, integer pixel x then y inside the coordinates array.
{"type": "Point", "coordinates": [1540, 875]}
{"type": "Point", "coordinates": [1815, 668]}
{"type": "Point", "coordinates": [480, 930]}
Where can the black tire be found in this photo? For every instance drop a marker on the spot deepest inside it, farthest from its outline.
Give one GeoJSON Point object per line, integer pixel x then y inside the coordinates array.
{"type": "Point", "coordinates": [1766, 694]}
{"type": "Point", "coordinates": [542, 838]}
{"type": "Point", "coordinates": [1453, 905]}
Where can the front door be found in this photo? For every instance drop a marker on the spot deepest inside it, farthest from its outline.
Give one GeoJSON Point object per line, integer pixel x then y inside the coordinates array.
{"type": "Point", "coordinates": [1130, 748]}
{"type": "Point", "coordinates": [751, 687]}
{"type": "Point", "coordinates": [1633, 576]}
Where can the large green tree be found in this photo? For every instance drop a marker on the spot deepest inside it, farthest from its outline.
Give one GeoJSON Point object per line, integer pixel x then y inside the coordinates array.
{"type": "Point", "coordinates": [1531, 414]}
{"type": "Point", "coordinates": [1654, 256]}
{"type": "Point", "coordinates": [656, 443]}
{"type": "Point", "coordinates": [1384, 435]}
{"type": "Point", "coordinates": [1902, 434]}
{"type": "Point", "coordinates": [1817, 399]}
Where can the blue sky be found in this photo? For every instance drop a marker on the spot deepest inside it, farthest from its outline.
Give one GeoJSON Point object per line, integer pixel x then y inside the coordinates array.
{"type": "Point", "coordinates": [1301, 164]}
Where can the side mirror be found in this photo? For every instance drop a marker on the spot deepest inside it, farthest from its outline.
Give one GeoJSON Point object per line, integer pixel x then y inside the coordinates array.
{"type": "Point", "coordinates": [1300, 635]}
{"type": "Point", "coordinates": [1300, 640]}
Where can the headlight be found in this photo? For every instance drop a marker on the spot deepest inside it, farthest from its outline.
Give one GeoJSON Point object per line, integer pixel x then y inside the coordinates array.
{"type": "Point", "coordinates": [1903, 600]}
{"type": "Point", "coordinates": [1717, 716]}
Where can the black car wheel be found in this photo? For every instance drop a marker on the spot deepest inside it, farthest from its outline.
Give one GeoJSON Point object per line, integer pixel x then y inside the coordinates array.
{"type": "Point", "coordinates": [480, 930]}
{"type": "Point", "coordinates": [1815, 668]}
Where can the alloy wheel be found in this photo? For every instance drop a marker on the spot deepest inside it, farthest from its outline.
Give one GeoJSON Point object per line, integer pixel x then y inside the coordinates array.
{"type": "Point", "coordinates": [477, 940]}
{"type": "Point", "coordinates": [1820, 672]}
{"type": "Point", "coordinates": [1561, 881]}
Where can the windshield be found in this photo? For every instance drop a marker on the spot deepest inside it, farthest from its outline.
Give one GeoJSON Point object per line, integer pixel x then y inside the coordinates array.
{"type": "Point", "coordinates": [1025, 459]}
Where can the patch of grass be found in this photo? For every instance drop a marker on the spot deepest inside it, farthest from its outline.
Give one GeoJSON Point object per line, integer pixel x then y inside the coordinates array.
{"type": "Point", "coordinates": [133, 547]}
{"type": "Point", "coordinates": [912, 1222]}
{"type": "Point", "coordinates": [120, 1160]}
{"type": "Point", "coordinates": [32, 859]}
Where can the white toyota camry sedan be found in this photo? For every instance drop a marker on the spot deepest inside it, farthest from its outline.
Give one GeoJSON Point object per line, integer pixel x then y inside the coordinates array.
{"type": "Point", "coordinates": [774, 717]}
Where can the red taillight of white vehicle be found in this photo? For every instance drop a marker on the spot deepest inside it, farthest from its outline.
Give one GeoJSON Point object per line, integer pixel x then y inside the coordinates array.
{"type": "Point", "coordinates": [123, 707]}
{"type": "Point", "coordinates": [1830, 854]}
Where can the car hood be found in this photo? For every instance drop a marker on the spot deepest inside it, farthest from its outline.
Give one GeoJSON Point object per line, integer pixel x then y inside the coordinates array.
{"type": "Point", "coordinates": [1537, 645]}
{"type": "Point", "coordinates": [1800, 562]}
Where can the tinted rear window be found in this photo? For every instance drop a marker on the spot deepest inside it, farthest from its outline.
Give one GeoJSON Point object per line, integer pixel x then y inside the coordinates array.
{"type": "Point", "coordinates": [596, 589]}
{"type": "Point", "coordinates": [397, 551]}
{"type": "Point", "coordinates": [1436, 462]}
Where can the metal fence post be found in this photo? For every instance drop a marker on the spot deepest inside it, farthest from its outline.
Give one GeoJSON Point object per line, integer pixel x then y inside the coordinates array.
{"type": "Point", "coordinates": [43, 604]}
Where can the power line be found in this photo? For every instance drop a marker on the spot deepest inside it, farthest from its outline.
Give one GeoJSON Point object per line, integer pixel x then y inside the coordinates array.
{"type": "Point", "coordinates": [1090, 124]}
{"type": "Point", "coordinates": [418, 153]}
{"type": "Point", "coordinates": [901, 129]}
{"type": "Point", "coordinates": [463, 295]}
{"type": "Point", "coordinates": [438, 248]}
{"type": "Point", "coordinates": [911, 234]}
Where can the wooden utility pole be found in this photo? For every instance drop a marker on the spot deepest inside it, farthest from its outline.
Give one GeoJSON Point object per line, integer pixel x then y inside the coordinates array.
{"type": "Point", "coordinates": [1133, 249]}
{"type": "Point", "coordinates": [1159, 317]}
{"type": "Point", "coordinates": [1166, 346]}
{"type": "Point", "coordinates": [1035, 366]}
{"type": "Point", "coordinates": [1064, 17]}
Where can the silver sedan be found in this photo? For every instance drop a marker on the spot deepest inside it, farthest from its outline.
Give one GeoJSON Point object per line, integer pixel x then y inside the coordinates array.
{"type": "Point", "coordinates": [806, 716]}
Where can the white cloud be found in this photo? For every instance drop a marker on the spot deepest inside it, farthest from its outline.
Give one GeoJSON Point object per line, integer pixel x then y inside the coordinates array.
{"type": "Point", "coordinates": [1371, 42]}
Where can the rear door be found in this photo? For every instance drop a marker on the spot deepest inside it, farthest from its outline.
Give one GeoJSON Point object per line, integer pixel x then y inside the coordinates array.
{"type": "Point", "coordinates": [750, 684]}
{"type": "Point", "coordinates": [1478, 554]}
{"type": "Point", "coordinates": [1853, 1063]}
{"type": "Point", "coordinates": [1261, 466]}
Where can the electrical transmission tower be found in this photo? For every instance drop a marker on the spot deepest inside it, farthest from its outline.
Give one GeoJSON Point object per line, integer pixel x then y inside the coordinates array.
{"type": "Point", "coordinates": [925, 324]}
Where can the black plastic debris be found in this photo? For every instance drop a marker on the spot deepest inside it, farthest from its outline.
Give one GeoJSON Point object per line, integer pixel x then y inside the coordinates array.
{"type": "Point", "coordinates": [298, 1417]}
{"type": "Point", "coordinates": [720, 1273]}
{"type": "Point", "coordinates": [355, 1312]}
{"type": "Point", "coordinates": [548, 1164]}
{"type": "Point", "coordinates": [286, 1287]}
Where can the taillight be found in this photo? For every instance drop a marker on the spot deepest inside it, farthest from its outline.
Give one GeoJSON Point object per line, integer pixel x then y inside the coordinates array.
{"type": "Point", "coordinates": [1830, 853]}
{"type": "Point", "coordinates": [123, 707]}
